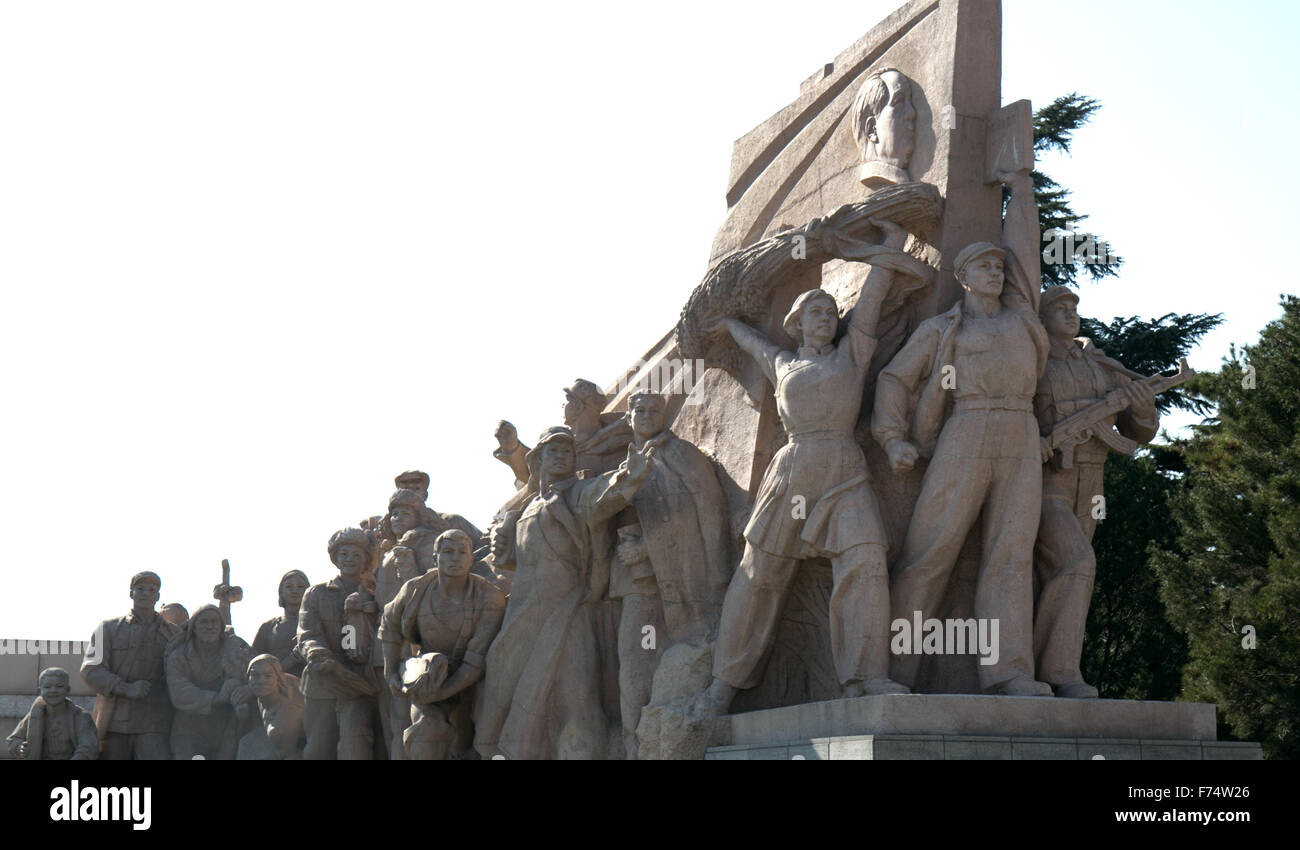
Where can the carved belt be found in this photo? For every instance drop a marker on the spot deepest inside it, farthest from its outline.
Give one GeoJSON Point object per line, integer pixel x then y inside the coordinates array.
{"type": "Point", "coordinates": [809, 436]}
{"type": "Point", "coordinates": [1005, 402]}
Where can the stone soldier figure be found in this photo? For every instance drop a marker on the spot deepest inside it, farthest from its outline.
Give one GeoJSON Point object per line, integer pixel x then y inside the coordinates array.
{"type": "Point", "coordinates": [339, 714]}
{"type": "Point", "coordinates": [205, 678]}
{"type": "Point", "coordinates": [452, 615]}
{"type": "Point", "coordinates": [1078, 375]}
{"type": "Point", "coordinates": [818, 395]}
{"type": "Point", "coordinates": [54, 729]}
{"type": "Point", "coordinates": [125, 667]}
{"type": "Point", "coordinates": [278, 636]}
{"type": "Point", "coordinates": [981, 359]}
{"type": "Point", "coordinates": [674, 559]}
{"type": "Point", "coordinates": [542, 695]}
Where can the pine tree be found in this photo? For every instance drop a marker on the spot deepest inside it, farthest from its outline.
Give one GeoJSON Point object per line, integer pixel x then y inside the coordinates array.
{"type": "Point", "coordinates": [1231, 580]}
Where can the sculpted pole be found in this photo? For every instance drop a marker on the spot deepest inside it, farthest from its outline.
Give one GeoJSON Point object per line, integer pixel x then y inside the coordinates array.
{"type": "Point", "coordinates": [125, 667]}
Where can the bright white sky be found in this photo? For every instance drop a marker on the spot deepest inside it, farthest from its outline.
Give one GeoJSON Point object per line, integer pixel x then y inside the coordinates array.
{"type": "Point", "coordinates": [259, 257]}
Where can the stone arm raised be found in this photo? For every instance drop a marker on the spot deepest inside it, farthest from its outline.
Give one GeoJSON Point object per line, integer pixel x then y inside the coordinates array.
{"type": "Point", "coordinates": [1022, 239]}
{"type": "Point", "coordinates": [756, 345]}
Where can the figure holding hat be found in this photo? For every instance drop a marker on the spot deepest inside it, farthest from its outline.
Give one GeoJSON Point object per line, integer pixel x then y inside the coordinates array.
{"type": "Point", "coordinates": [972, 372]}
{"type": "Point", "coordinates": [125, 667]}
{"type": "Point", "coordinates": [815, 499]}
{"type": "Point", "coordinates": [1078, 375]}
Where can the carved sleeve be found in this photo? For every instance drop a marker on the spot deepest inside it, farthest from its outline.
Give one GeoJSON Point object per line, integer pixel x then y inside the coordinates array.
{"type": "Point", "coordinates": [186, 695]}
{"type": "Point", "coordinates": [99, 675]}
{"type": "Point", "coordinates": [897, 383]}
{"type": "Point", "coordinates": [311, 636]}
{"type": "Point", "coordinates": [1022, 241]}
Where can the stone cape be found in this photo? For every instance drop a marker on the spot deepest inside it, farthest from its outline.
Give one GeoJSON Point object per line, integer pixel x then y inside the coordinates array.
{"type": "Point", "coordinates": [542, 694]}
{"type": "Point", "coordinates": [686, 532]}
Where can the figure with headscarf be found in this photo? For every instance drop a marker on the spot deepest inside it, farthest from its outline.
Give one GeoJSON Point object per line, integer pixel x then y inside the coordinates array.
{"type": "Point", "coordinates": [279, 735]}
{"type": "Point", "coordinates": [815, 498]}
{"type": "Point", "coordinates": [278, 636]}
{"type": "Point", "coordinates": [206, 667]}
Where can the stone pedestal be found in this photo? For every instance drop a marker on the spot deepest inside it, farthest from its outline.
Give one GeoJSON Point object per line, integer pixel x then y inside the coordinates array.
{"type": "Point", "coordinates": [932, 726]}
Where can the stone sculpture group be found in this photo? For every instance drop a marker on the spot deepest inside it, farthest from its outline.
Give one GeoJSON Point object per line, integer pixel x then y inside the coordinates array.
{"type": "Point", "coordinates": [616, 605]}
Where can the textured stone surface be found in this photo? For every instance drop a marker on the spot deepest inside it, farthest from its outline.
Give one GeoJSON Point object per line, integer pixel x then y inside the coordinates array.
{"type": "Point", "coordinates": [968, 748]}
{"type": "Point", "coordinates": [972, 715]}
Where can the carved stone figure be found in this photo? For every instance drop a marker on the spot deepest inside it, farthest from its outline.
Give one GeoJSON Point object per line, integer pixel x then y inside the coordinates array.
{"type": "Point", "coordinates": [1078, 376]}
{"type": "Point", "coordinates": [452, 616]}
{"type": "Point", "coordinates": [125, 667]}
{"type": "Point", "coordinates": [602, 438]}
{"type": "Point", "coordinates": [673, 560]}
{"type": "Point", "coordinates": [542, 694]}
{"type": "Point", "coordinates": [512, 453]}
{"type": "Point", "coordinates": [206, 667]}
{"type": "Point", "coordinates": [338, 686]}
{"type": "Point", "coordinates": [279, 735]}
{"type": "Point", "coordinates": [815, 499]}
{"type": "Point", "coordinates": [884, 125]}
{"type": "Point", "coordinates": [278, 636]}
{"type": "Point", "coordinates": [54, 729]}
{"type": "Point", "coordinates": [980, 360]}
{"type": "Point", "coordinates": [175, 613]}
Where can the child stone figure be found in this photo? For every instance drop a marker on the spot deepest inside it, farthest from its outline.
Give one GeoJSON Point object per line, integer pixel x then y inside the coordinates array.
{"type": "Point", "coordinates": [55, 729]}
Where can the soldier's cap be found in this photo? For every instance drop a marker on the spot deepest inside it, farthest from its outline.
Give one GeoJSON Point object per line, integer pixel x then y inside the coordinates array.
{"type": "Point", "coordinates": [975, 251]}
{"type": "Point", "coordinates": [791, 323]}
{"type": "Point", "coordinates": [413, 476]}
{"type": "Point", "coordinates": [141, 576]}
{"type": "Point", "coordinates": [1053, 294]}
{"type": "Point", "coordinates": [550, 435]}
{"type": "Point", "coordinates": [586, 392]}
{"type": "Point", "coordinates": [410, 498]}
